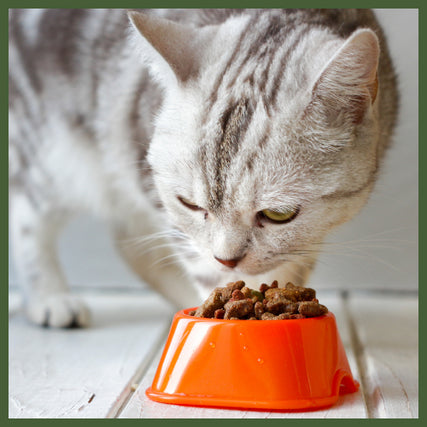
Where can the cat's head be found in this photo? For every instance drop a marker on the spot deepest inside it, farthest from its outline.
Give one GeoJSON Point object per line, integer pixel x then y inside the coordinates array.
{"type": "Point", "coordinates": [267, 137]}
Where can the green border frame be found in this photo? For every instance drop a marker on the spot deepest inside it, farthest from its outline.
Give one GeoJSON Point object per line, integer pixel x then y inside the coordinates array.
{"type": "Point", "coordinates": [416, 4]}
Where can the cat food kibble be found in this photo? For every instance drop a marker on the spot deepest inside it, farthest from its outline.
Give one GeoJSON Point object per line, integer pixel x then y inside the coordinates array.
{"type": "Point", "coordinates": [237, 301]}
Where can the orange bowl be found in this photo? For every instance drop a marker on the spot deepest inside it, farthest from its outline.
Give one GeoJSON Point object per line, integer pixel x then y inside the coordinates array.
{"type": "Point", "coordinates": [289, 364]}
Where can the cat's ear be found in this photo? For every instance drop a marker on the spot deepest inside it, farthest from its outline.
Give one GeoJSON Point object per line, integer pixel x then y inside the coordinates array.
{"type": "Point", "coordinates": [178, 47]}
{"type": "Point", "coordinates": [348, 84]}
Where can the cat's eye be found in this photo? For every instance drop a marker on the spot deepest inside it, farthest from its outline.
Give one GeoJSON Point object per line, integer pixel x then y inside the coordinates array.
{"type": "Point", "coordinates": [277, 216]}
{"type": "Point", "coordinates": [189, 204]}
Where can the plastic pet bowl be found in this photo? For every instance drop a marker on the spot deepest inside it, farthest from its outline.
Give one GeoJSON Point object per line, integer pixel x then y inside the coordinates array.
{"type": "Point", "coordinates": [253, 364]}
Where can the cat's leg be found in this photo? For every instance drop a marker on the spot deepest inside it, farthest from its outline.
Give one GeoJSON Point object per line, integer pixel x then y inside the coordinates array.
{"type": "Point", "coordinates": [155, 262]}
{"type": "Point", "coordinates": [34, 232]}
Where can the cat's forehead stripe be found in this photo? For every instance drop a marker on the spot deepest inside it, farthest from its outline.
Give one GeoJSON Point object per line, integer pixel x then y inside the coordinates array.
{"type": "Point", "coordinates": [236, 117]}
{"type": "Point", "coordinates": [16, 32]}
{"type": "Point", "coordinates": [269, 33]}
{"type": "Point", "coordinates": [214, 93]}
{"type": "Point", "coordinates": [235, 122]}
{"type": "Point", "coordinates": [260, 43]}
{"type": "Point", "coordinates": [277, 79]}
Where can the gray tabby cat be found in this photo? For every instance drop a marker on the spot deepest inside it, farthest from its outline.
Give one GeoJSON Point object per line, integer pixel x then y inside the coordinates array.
{"type": "Point", "coordinates": [236, 139]}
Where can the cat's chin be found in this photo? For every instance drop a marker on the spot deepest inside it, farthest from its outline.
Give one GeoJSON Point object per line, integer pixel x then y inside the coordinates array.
{"type": "Point", "coordinates": [211, 273]}
{"type": "Point", "coordinates": [248, 269]}
{"type": "Point", "coordinates": [254, 270]}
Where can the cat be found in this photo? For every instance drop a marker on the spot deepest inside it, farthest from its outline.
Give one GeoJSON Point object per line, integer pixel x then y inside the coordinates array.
{"type": "Point", "coordinates": [231, 141]}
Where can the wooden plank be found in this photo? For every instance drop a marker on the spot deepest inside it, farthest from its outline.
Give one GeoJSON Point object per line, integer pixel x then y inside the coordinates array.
{"type": "Point", "coordinates": [348, 406]}
{"type": "Point", "coordinates": [84, 373]}
{"type": "Point", "coordinates": [386, 336]}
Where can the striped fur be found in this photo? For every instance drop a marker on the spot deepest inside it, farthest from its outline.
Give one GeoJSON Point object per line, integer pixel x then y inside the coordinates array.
{"type": "Point", "coordinates": [233, 111]}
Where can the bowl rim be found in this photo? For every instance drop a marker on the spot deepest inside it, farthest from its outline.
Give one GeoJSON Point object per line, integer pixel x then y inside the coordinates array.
{"type": "Point", "coordinates": [184, 314]}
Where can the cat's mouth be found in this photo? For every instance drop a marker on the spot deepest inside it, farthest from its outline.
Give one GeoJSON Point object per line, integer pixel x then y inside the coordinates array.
{"type": "Point", "coordinates": [246, 265]}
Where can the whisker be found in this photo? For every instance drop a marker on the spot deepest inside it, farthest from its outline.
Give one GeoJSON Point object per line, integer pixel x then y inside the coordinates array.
{"type": "Point", "coordinates": [149, 239]}
{"type": "Point", "coordinates": [174, 257]}
{"type": "Point", "coordinates": [154, 248]}
{"type": "Point", "coordinates": [344, 250]}
{"type": "Point", "coordinates": [370, 238]}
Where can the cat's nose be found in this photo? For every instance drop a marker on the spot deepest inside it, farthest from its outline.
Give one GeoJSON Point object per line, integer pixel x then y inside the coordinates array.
{"type": "Point", "coordinates": [229, 262]}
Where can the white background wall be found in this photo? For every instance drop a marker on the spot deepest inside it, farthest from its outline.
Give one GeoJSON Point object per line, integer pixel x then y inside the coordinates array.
{"type": "Point", "coordinates": [378, 249]}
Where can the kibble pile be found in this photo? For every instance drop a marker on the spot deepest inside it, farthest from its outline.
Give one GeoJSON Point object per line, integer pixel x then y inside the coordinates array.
{"type": "Point", "coordinates": [237, 301]}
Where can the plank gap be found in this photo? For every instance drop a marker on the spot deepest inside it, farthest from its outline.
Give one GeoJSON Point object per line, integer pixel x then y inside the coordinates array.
{"type": "Point", "coordinates": [139, 374]}
{"type": "Point", "coordinates": [387, 331]}
{"type": "Point", "coordinates": [358, 351]}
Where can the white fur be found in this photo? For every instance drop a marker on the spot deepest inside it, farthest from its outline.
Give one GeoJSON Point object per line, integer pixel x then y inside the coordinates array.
{"type": "Point", "coordinates": [305, 162]}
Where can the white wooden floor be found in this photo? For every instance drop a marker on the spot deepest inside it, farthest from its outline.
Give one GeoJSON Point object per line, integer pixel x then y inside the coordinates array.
{"type": "Point", "coordinates": [103, 371]}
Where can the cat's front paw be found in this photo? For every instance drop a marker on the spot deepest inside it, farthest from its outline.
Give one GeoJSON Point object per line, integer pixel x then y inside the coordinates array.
{"type": "Point", "coordinates": [58, 311]}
